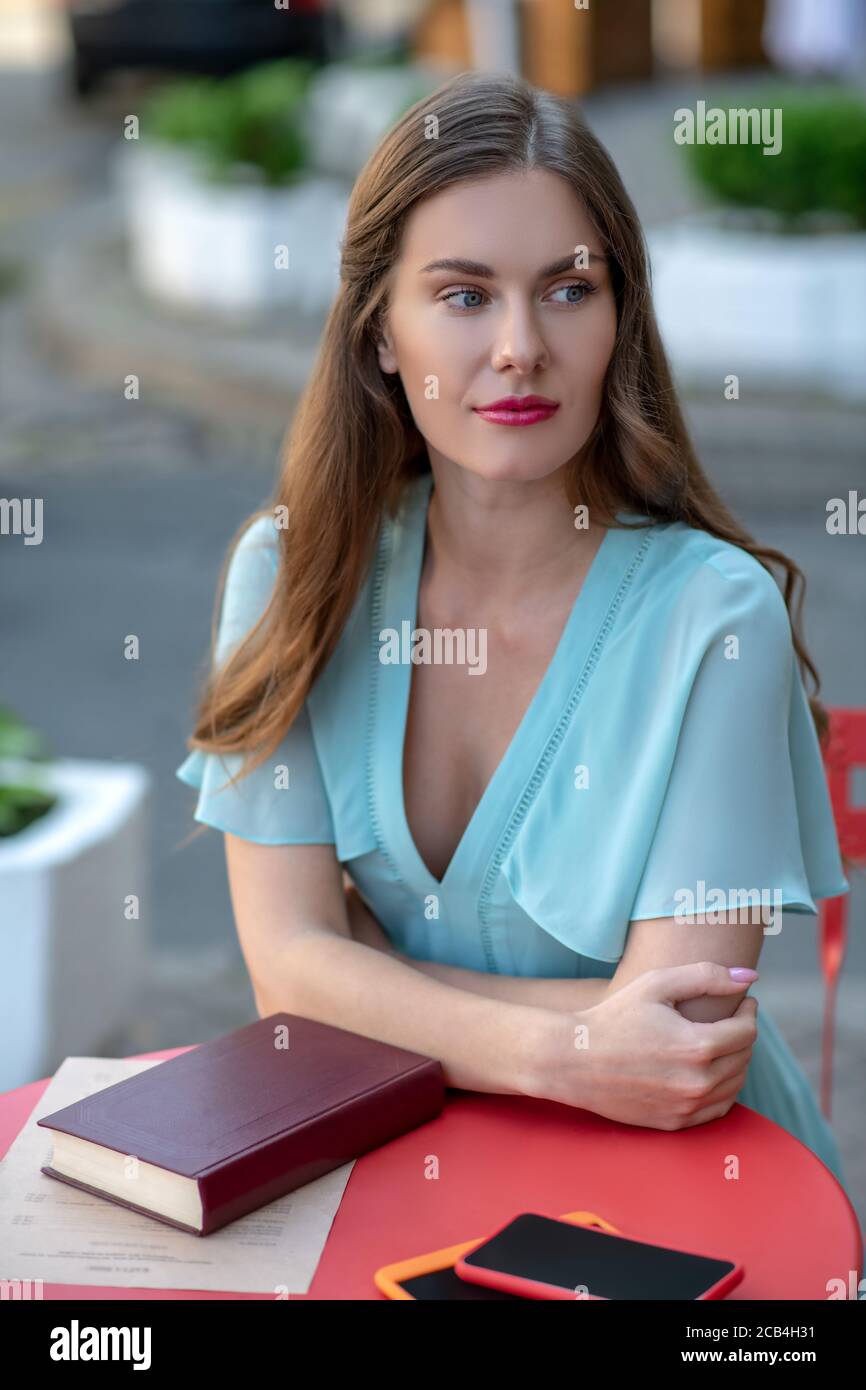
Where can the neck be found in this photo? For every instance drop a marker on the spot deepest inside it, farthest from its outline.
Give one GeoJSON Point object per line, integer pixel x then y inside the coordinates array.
{"type": "Point", "coordinates": [503, 546]}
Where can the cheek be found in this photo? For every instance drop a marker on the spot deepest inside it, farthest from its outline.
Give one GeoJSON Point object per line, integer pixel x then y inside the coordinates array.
{"type": "Point", "coordinates": [592, 346]}
{"type": "Point", "coordinates": [589, 358]}
{"type": "Point", "coordinates": [436, 361]}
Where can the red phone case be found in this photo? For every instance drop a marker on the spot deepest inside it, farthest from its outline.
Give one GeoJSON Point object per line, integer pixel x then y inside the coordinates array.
{"type": "Point", "coordinates": [532, 1288]}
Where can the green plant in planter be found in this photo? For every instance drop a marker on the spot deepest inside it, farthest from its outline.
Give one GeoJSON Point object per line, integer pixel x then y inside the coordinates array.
{"type": "Point", "coordinates": [251, 119]}
{"type": "Point", "coordinates": [820, 171]}
{"type": "Point", "coordinates": [20, 803]}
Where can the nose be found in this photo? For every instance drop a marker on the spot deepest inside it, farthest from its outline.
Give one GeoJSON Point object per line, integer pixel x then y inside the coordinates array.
{"type": "Point", "coordinates": [518, 342]}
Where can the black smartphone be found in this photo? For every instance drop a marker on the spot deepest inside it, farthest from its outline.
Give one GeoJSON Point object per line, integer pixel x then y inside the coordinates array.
{"type": "Point", "coordinates": [538, 1257]}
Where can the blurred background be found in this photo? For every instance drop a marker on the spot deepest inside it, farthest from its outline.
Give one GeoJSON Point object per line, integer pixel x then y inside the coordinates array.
{"type": "Point", "coordinates": [173, 183]}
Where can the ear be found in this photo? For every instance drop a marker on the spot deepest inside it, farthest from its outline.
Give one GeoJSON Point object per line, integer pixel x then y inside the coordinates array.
{"type": "Point", "coordinates": [385, 350]}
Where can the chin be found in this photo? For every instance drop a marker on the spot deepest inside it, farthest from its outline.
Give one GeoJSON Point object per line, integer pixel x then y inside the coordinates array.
{"type": "Point", "coordinates": [525, 469]}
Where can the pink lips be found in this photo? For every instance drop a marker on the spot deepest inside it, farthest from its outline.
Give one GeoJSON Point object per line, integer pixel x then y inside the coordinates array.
{"type": "Point", "coordinates": [518, 410]}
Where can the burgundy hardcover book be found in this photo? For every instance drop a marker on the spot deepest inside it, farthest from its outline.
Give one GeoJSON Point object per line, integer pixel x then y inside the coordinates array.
{"type": "Point", "coordinates": [220, 1130]}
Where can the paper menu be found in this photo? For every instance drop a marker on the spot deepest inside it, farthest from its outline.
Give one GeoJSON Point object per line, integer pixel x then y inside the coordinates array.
{"type": "Point", "coordinates": [57, 1233]}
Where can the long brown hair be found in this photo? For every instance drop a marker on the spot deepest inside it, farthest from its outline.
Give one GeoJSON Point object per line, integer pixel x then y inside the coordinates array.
{"type": "Point", "coordinates": [353, 444]}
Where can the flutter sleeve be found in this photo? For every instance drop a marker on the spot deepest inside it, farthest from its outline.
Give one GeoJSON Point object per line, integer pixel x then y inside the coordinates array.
{"type": "Point", "coordinates": [746, 808]}
{"type": "Point", "coordinates": [689, 771]}
{"type": "Point", "coordinates": [283, 801]}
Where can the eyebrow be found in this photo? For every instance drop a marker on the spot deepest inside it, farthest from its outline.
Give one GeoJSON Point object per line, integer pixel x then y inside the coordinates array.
{"type": "Point", "coordinates": [486, 272]}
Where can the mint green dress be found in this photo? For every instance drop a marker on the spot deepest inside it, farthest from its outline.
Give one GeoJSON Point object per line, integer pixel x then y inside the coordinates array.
{"type": "Point", "coordinates": [669, 749]}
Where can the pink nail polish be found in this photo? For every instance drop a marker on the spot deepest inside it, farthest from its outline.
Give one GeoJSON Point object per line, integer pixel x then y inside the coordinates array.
{"type": "Point", "coordinates": [742, 972]}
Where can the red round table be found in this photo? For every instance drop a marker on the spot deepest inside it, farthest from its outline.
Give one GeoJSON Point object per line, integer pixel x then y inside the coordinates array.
{"type": "Point", "coordinates": [785, 1217]}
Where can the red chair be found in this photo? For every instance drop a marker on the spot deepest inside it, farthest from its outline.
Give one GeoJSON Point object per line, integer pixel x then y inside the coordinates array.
{"type": "Point", "coordinates": [844, 750]}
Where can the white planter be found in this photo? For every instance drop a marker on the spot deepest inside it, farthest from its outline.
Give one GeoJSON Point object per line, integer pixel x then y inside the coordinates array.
{"type": "Point", "coordinates": [350, 108]}
{"type": "Point", "coordinates": [70, 959]}
{"type": "Point", "coordinates": [196, 244]}
{"type": "Point", "coordinates": [774, 310]}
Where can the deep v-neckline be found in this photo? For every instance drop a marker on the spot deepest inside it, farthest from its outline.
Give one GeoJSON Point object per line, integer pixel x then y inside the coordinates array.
{"type": "Point", "coordinates": [542, 697]}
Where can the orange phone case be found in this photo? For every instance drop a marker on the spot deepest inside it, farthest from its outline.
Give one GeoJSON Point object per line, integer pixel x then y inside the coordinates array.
{"type": "Point", "coordinates": [389, 1278]}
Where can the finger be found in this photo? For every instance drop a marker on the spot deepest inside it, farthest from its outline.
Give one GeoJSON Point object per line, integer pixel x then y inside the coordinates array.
{"type": "Point", "coordinates": [711, 1112]}
{"type": "Point", "coordinates": [732, 1064]}
{"type": "Point", "coordinates": [675, 983]}
{"type": "Point", "coordinates": [728, 1089]}
{"type": "Point", "coordinates": [728, 1035]}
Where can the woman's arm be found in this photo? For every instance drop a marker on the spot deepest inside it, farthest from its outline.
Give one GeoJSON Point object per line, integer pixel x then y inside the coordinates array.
{"type": "Point", "coordinates": [632, 1057]}
{"type": "Point", "coordinates": [653, 943]}
{"type": "Point", "coordinates": [563, 994]}
{"type": "Point", "coordinates": [292, 923]}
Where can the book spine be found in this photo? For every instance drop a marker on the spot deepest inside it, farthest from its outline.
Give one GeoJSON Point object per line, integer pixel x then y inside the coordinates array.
{"type": "Point", "coordinates": [306, 1152]}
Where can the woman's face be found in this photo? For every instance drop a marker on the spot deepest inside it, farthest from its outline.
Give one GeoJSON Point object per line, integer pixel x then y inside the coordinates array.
{"type": "Point", "coordinates": [521, 321]}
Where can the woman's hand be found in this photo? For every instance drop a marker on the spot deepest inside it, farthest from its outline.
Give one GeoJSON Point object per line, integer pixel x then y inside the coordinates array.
{"type": "Point", "coordinates": [635, 1059]}
{"type": "Point", "coordinates": [363, 925]}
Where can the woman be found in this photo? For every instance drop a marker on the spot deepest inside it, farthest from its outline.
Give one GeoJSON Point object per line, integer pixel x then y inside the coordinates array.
{"type": "Point", "coordinates": [512, 664]}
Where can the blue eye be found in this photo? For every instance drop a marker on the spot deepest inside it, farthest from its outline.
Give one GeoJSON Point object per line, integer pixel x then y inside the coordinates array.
{"type": "Point", "coordinates": [453, 293]}
{"type": "Point", "coordinates": [582, 288]}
